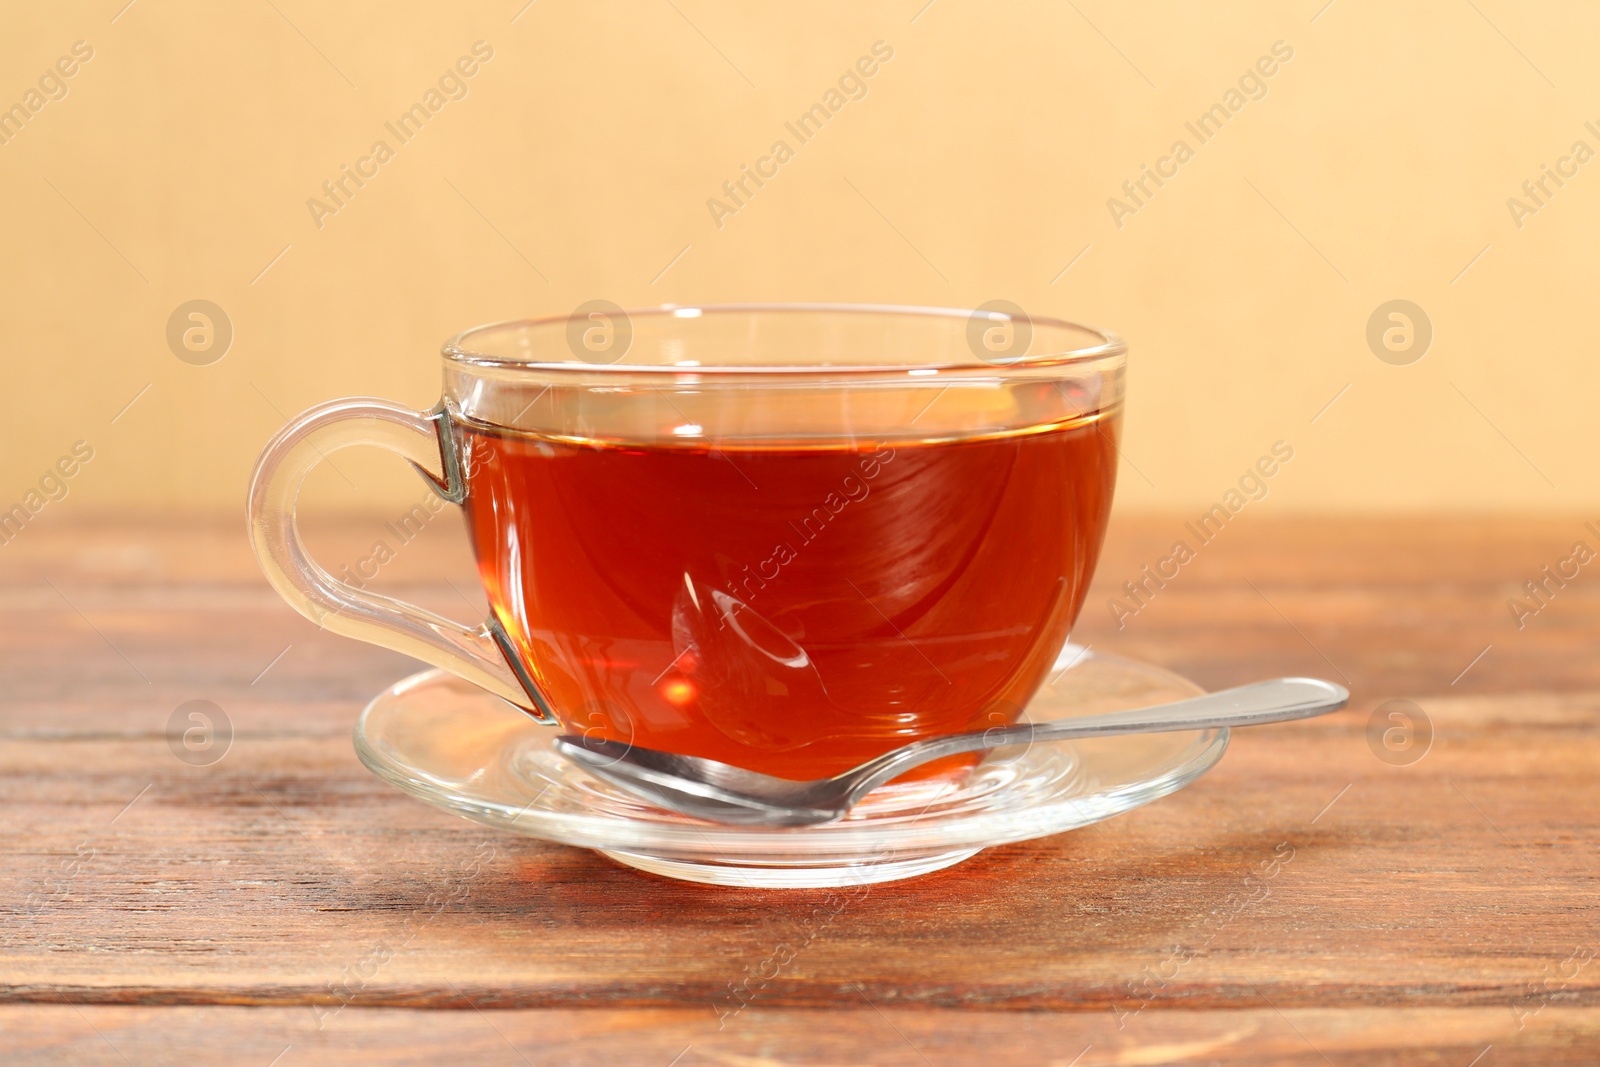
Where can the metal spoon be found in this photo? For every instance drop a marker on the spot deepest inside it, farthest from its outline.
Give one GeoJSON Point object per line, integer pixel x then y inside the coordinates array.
{"type": "Point", "coordinates": [719, 792]}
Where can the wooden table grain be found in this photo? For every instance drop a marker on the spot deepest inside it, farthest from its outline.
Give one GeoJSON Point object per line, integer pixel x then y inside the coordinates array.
{"type": "Point", "coordinates": [1305, 902]}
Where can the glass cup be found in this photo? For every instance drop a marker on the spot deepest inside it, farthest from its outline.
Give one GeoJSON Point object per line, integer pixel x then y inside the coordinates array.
{"type": "Point", "coordinates": [787, 537]}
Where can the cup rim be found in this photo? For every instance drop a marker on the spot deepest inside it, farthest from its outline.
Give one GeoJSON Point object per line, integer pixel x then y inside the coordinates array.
{"type": "Point", "coordinates": [459, 350]}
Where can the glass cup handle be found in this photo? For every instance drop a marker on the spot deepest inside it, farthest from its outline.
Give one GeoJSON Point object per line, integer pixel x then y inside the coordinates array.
{"type": "Point", "coordinates": [484, 655]}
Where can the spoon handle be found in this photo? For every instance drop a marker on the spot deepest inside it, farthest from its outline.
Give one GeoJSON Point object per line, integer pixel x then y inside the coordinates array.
{"type": "Point", "coordinates": [1278, 700]}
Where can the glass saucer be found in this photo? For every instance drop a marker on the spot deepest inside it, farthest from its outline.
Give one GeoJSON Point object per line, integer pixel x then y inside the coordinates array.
{"type": "Point", "coordinates": [459, 748]}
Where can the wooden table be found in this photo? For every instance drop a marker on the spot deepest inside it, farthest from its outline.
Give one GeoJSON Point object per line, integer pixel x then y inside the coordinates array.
{"type": "Point", "coordinates": [270, 907]}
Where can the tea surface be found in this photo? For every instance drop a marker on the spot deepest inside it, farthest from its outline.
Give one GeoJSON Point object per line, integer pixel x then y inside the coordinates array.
{"type": "Point", "coordinates": [793, 610]}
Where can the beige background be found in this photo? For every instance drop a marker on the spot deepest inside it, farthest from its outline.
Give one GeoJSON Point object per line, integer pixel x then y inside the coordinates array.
{"type": "Point", "coordinates": [1377, 166]}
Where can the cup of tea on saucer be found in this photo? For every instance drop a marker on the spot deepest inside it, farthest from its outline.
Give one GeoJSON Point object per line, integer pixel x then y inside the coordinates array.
{"type": "Point", "coordinates": [789, 538]}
